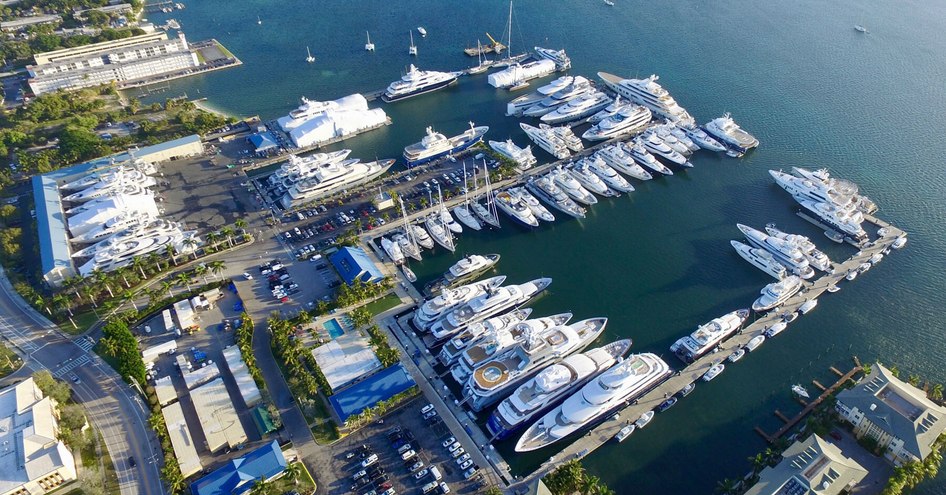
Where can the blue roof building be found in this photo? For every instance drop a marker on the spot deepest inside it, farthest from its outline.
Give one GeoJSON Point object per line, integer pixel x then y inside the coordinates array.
{"type": "Point", "coordinates": [239, 475]}
{"type": "Point", "coordinates": [353, 264]}
{"type": "Point", "coordinates": [369, 392]}
{"type": "Point", "coordinates": [263, 142]}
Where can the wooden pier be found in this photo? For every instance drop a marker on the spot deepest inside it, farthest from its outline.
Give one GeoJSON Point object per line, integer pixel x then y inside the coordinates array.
{"type": "Point", "coordinates": [606, 430]}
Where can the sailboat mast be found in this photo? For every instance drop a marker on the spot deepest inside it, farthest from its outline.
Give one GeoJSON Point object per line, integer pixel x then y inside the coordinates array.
{"type": "Point", "coordinates": [509, 43]}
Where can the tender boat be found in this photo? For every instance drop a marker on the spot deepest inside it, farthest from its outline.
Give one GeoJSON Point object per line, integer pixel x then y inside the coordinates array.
{"type": "Point", "coordinates": [686, 390]}
{"type": "Point", "coordinates": [714, 372]}
{"type": "Point", "coordinates": [807, 306]}
{"type": "Point", "coordinates": [736, 355]}
{"type": "Point", "coordinates": [644, 419]}
{"type": "Point", "coordinates": [667, 404]}
{"type": "Point", "coordinates": [775, 329]}
{"type": "Point", "coordinates": [627, 430]}
{"type": "Point", "coordinates": [754, 342]}
{"type": "Point", "coordinates": [800, 391]}
{"type": "Point", "coordinates": [409, 274]}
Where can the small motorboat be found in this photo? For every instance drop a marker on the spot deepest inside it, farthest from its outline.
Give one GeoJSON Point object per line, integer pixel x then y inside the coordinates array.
{"type": "Point", "coordinates": [755, 342]}
{"type": "Point", "coordinates": [409, 274]}
{"type": "Point", "coordinates": [714, 372]}
{"type": "Point", "coordinates": [422, 31]}
{"type": "Point", "coordinates": [861, 29]}
{"type": "Point", "coordinates": [876, 258]}
{"type": "Point", "coordinates": [736, 355]}
{"type": "Point", "coordinates": [625, 432]}
{"type": "Point", "coordinates": [864, 267]}
{"type": "Point", "coordinates": [800, 391]}
{"type": "Point", "coordinates": [851, 275]}
{"type": "Point", "coordinates": [686, 390]}
{"type": "Point", "coordinates": [667, 404]}
{"type": "Point", "coordinates": [775, 329]}
{"type": "Point", "coordinates": [789, 317]}
{"type": "Point", "coordinates": [644, 419]}
{"type": "Point", "coordinates": [834, 236]}
{"type": "Point", "coordinates": [833, 288]}
{"type": "Point", "coordinates": [899, 242]}
{"type": "Point", "coordinates": [807, 306]}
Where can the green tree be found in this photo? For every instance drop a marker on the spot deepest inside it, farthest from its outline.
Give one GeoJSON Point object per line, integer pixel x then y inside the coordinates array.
{"type": "Point", "coordinates": [78, 144]}
{"type": "Point", "coordinates": [914, 379]}
{"type": "Point", "coordinates": [936, 393]}
{"type": "Point", "coordinates": [727, 486]}
{"type": "Point", "coordinates": [51, 387]}
{"type": "Point", "coordinates": [9, 214]}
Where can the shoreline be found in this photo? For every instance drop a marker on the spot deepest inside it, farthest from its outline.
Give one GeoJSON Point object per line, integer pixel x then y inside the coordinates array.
{"type": "Point", "coordinates": [202, 104]}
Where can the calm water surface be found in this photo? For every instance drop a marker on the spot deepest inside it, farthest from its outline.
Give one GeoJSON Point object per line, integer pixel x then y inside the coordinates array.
{"type": "Point", "coordinates": [658, 263]}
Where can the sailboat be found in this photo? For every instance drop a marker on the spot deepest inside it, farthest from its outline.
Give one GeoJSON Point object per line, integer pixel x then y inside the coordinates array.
{"type": "Point", "coordinates": [488, 213]}
{"type": "Point", "coordinates": [258, 20]}
{"type": "Point", "coordinates": [462, 210]}
{"type": "Point", "coordinates": [407, 241]}
{"type": "Point", "coordinates": [310, 58]}
{"type": "Point", "coordinates": [510, 58]}
{"type": "Point", "coordinates": [369, 46]}
{"type": "Point", "coordinates": [413, 48]}
{"type": "Point", "coordinates": [480, 67]}
{"type": "Point", "coordinates": [438, 229]}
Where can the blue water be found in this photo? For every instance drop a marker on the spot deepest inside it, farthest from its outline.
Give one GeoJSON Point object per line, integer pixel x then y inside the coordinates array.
{"type": "Point", "coordinates": [333, 328]}
{"type": "Point", "coordinates": [816, 93]}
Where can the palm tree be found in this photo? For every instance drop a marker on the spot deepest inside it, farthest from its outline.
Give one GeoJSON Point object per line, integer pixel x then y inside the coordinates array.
{"type": "Point", "coordinates": [294, 472]}
{"type": "Point", "coordinates": [914, 379]}
{"type": "Point", "coordinates": [154, 259]}
{"type": "Point", "coordinates": [102, 278]}
{"type": "Point", "coordinates": [201, 271]}
{"type": "Point", "coordinates": [191, 244]}
{"type": "Point", "coordinates": [171, 251]}
{"type": "Point", "coordinates": [166, 286]}
{"type": "Point", "coordinates": [758, 462]}
{"type": "Point", "coordinates": [110, 348]}
{"type": "Point", "coordinates": [139, 263]}
{"type": "Point", "coordinates": [129, 296]}
{"type": "Point", "coordinates": [261, 487]}
{"type": "Point", "coordinates": [240, 224]}
{"type": "Point", "coordinates": [727, 486]}
{"type": "Point", "coordinates": [184, 278]}
{"type": "Point", "coordinates": [217, 267]}
{"type": "Point", "coordinates": [212, 238]}
{"type": "Point", "coordinates": [936, 393]}
{"type": "Point", "coordinates": [227, 232]}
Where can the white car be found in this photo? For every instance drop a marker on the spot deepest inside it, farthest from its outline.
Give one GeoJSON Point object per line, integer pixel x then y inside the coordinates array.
{"type": "Point", "coordinates": [407, 455]}
{"type": "Point", "coordinates": [426, 409]}
{"type": "Point", "coordinates": [466, 464]}
{"type": "Point", "coordinates": [247, 276]}
{"type": "Point", "coordinates": [458, 452]}
{"type": "Point", "coordinates": [420, 474]}
{"type": "Point", "coordinates": [373, 458]}
{"type": "Point", "coordinates": [463, 458]}
{"type": "Point", "coordinates": [470, 472]}
{"type": "Point", "coordinates": [446, 443]}
{"type": "Point", "coordinates": [454, 446]}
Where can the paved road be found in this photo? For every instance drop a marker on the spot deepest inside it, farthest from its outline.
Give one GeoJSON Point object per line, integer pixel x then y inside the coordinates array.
{"type": "Point", "coordinates": [113, 408]}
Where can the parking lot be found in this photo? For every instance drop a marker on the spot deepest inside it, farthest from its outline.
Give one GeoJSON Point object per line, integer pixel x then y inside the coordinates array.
{"type": "Point", "coordinates": [279, 282]}
{"type": "Point", "coordinates": [390, 440]}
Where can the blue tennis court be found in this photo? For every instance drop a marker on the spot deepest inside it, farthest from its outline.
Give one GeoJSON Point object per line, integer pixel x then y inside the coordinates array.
{"type": "Point", "coordinates": [378, 387]}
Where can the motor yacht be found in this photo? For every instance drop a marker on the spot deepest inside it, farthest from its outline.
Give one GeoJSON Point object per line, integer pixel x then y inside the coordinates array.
{"type": "Point", "coordinates": [642, 155]}
{"type": "Point", "coordinates": [421, 236]}
{"type": "Point", "coordinates": [545, 189]}
{"type": "Point", "coordinates": [434, 308]}
{"type": "Point", "coordinates": [842, 194]}
{"type": "Point", "coordinates": [435, 145]}
{"type": "Point", "coordinates": [861, 202]}
{"type": "Point", "coordinates": [483, 306]}
{"type": "Point", "coordinates": [616, 105]}
{"type": "Point", "coordinates": [664, 132]}
{"type": "Point", "coordinates": [449, 222]}
{"type": "Point", "coordinates": [453, 349]}
{"type": "Point", "coordinates": [578, 108]}
{"type": "Point", "coordinates": [628, 120]}
{"type": "Point", "coordinates": [681, 136]}
{"type": "Point", "coordinates": [708, 335]}
{"type": "Point", "coordinates": [407, 246]}
{"type": "Point", "coordinates": [776, 293]}
{"type": "Point", "coordinates": [571, 186]}
{"type": "Point", "coordinates": [510, 204]}
{"type": "Point", "coordinates": [730, 134]}
{"type": "Point", "coordinates": [393, 250]}
{"type": "Point", "coordinates": [785, 252]}
{"type": "Point", "coordinates": [464, 270]}
{"type": "Point", "coordinates": [617, 158]}
{"type": "Point", "coordinates": [519, 104]}
{"type": "Point", "coordinates": [607, 174]}
{"type": "Point", "coordinates": [333, 177]}
{"type": "Point", "coordinates": [299, 168]}
{"type": "Point", "coordinates": [661, 149]}
{"type": "Point", "coordinates": [497, 343]}
{"type": "Point", "coordinates": [417, 82]}
{"type": "Point", "coordinates": [552, 384]}
{"type": "Point", "coordinates": [624, 382]}
{"type": "Point", "coordinates": [546, 140]}
{"type": "Point", "coordinates": [562, 62]}
{"type": "Point", "coordinates": [701, 138]}
{"type": "Point", "coordinates": [578, 87]}
{"type": "Point", "coordinates": [565, 133]}
{"type": "Point", "coordinates": [540, 212]}
{"type": "Point", "coordinates": [499, 376]}
{"type": "Point", "coordinates": [761, 259]}
{"type": "Point", "coordinates": [815, 257]}
{"type": "Point", "coordinates": [649, 93]}
{"type": "Point", "coordinates": [847, 222]}
{"type": "Point", "coordinates": [588, 179]}
{"type": "Point", "coordinates": [522, 156]}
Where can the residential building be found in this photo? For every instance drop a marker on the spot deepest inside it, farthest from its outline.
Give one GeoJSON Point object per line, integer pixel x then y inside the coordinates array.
{"type": "Point", "coordinates": [33, 460]}
{"type": "Point", "coordinates": [129, 59]}
{"type": "Point", "coordinates": [239, 475]}
{"type": "Point", "coordinates": [810, 467]}
{"type": "Point", "coordinates": [897, 415]}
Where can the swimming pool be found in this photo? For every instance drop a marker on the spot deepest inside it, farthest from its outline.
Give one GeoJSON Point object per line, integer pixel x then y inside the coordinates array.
{"type": "Point", "coordinates": [333, 328]}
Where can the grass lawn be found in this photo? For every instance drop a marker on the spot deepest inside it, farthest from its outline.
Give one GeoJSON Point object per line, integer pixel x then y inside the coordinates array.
{"type": "Point", "coordinates": [325, 433]}
{"type": "Point", "coordinates": [224, 50]}
{"type": "Point", "coordinates": [9, 361]}
{"type": "Point", "coordinates": [304, 484]}
{"type": "Point", "coordinates": [381, 305]}
{"type": "Point", "coordinates": [83, 322]}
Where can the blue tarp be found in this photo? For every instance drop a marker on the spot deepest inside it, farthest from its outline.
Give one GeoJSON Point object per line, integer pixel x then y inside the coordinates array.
{"type": "Point", "coordinates": [369, 392]}
{"type": "Point", "coordinates": [239, 475]}
{"type": "Point", "coordinates": [353, 263]}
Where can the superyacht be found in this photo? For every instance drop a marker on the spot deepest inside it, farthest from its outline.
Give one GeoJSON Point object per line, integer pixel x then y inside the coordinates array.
{"type": "Point", "coordinates": [659, 147]}
{"type": "Point", "coordinates": [522, 156]}
{"type": "Point", "coordinates": [761, 259]}
{"type": "Point", "coordinates": [628, 120]}
{"type": "Point", "coordinates": [551, 385]}
{"type": "Point", "coordinates": [421, 236]}
{"type": "Point", "coordinates": [511, 205]}
{"type": "Point", "coordinates": [120, 250]}
{"type": "Point", "coordinates": [417, 82]}
{"type": "Point", "coordinates": [815, 257]}
{"type": "Point", "coordinates": [846, 221]}
{"type": "Point", "coordinates": [665, 135]}
{"type": "Point", "coordinates": [393, 250]}
{"type": "Point", "coordinates": [579, 108]}
{"type": "Point", "coordinates": [730, 134]}
{"type": "Point", "coordinates": [623, 383]}
{"type": "Point", "coordinates": [567, 136]}
{"type": "Point", "coordinates": [607, 174]}
{"type": "Point", "coordinates": [299, 168]}
{"type": "Point", "coordinates": [464, 270]}
{"type": "Point", "coordinates": [578, 87]}
{"type": "Point", "coordinates": [331, 178]}
{"type": "Point", "coordinates": [562, 62]}
{"type": "Point", "coordinates": [497, 377]}
{"type": "Point", "coordinates": [546, 140]}
{"type": "Point", "coordinates": [497, 343]}
{"type": "Point", "coordinates": [589, 180]}
{"type": "Point", "coordinates": [617, 158]}
{"type": "Point", "coordinates": [139, 170]}
{"type": "Point", "coordinates": [701, 138]}
{"type": "Point", "coordinates": [680, 135]}
{"type": "Point", "coordinates": [776, 293]}
{"type": "Point", "coordinates": [540, 212]}
{"type": "Point", "coordinates": [839, 192]}
{"type": "Point", "coordinates": [122, 181]}
{"type": "Point", "coordinates": [483, 306]}
{"type": "Point", "coordinates": [521, 103]}
{"type": "Point", "coordinates": [435, 307]}
{"type": "Point", "coordinates": [709, 335]}
{"type": "Point", "coordinates": [652, 95]}
{"type": "Point", "coordinates": [572, 187]}
{"type": "Point", "coordinates": [785, 252]}
{"type": "Point", "coordinates": [435, 145]}
{"type": "Point", "coordinates": [546, 190]}
{"type": "Point", "coordinates": [641, 155]}
{"type": "Point", "coordinates": [616, 105]}
{"type": "Point", "coordinates": [113, 226]}
{"type": "Point", "coordinates": [861, 202]}
{"type": "Point", "coordinates": [453, 349]}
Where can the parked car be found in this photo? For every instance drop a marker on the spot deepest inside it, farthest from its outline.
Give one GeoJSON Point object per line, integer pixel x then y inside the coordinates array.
{"type": "Point", "coordinates": [457, 453]}
{"type": "Point", "coordinates": [463, 458]}
{"type": "Point", "coordinates": [426, 409]}
{"type": "Point", "coordinates": [373, 458]}
{"type": "Point", "coordinates": [453, 447]}
{"type": "Point", "coordinates": [448, 442]}
{"type": "Point", "coordinates": [408, 455]}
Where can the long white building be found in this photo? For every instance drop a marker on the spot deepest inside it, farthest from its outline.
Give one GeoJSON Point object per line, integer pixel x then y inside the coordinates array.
{"type": "Point", "coordinates": [128, 59]}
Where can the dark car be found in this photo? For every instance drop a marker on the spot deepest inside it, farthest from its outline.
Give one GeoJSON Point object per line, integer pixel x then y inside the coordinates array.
{"type": "Point", "coordinates": [835, 434]}
{"type": "Point", "coordinates": [131, 462]}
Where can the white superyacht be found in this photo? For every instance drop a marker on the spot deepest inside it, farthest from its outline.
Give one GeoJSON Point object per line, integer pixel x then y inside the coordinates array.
{"type": "Point", "coordinates": [547, 140]}
{"type": "Point", "coordinates": [509, 203]}
{"type": "Point", "coordinates": [540, 212]}
{"type": "Point", "coordinates": [567, 136]}
{"type": "Point", "coordinates": [816, 257]}
{"type": "Point", "coordinates": [546, 190]}
{"type": "Point", "coordinates": [578, 87]}
{"type": "Point", "coordinates": [453, 349]}
{"type": "Point", "coordinates": [785, 252]}
{"type": "Point", "coordinates": [571, 186]}
{"type": "Point", "coordinates": [628, 120]}
{"type": "Point", "coordinates": [607, 174]}
{"type": "Point", "coordinates": [417, 82]}
{"type": "Point", "coordinates": [708, 335]}
{"type": "Point", "coordinates": [519, 104]}
{"type": "Point", "coordinates": [435, 307]}
{"type": "Point", "coordinates": [617, 158]}
{"type": "Point", "coordinates": [589, 180]}
{"type": "Point", "coordinates": [578, 108]}
{"type": "Point", "coordinates": [776, 293]}
{"type": "Point", "coordinates": [333, 177]}
{"type": "Point", "coordinates": [649, 93]}
{"type": "Point", "coordinates": [761, 259]}
{"type": "Point", "coordinates": [730, 134]}
{"type": "Point", "coordinates": [483, 306]}
{"type": "Point", "coordinates": [498, 376]}
{"type": "Point", "coordinates": [641, 155]}
{"type": "Point", "coordinates": [522, 156]}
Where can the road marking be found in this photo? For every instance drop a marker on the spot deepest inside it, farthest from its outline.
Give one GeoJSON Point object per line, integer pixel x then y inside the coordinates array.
{"type": "Point", "coordinates": [75, 363]}
{"type": "Point", "coordinates": [85, 344]}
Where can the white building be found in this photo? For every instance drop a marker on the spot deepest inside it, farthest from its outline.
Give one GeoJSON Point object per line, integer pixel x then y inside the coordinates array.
{"type": "Point", "coordinates": [33, 460]}
{"type": "Point", "coordinates": [241, 374]}
{"type": "Point", "coordinates": [810, 467]}
{"type": "Point", "coordinates": [218, 418]}
{"type": "Point", "coordinates": [896, 414]}
{"type": "Point", "coordinates": [316, 122]}
{"type": "Point", "coordinates": [181, 440]}
{"type": "Point", "coordinates": [129, 59]}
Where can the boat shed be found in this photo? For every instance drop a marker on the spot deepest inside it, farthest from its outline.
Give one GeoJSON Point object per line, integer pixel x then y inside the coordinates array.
{"type": "Point", "coordinates": [218, 418]}
{"type": "Point", "coordinates": [164, 389]}
{"type": "Point", "coordinates": [353, 264]}
{"type": "Point", "coordinates": [240, 475]}
{"type": "Point", "coordinates": [200, 375]}
{"type": "Point", "coordinates": [181, 440]}
{"type": "Point", "coordinates": [151, 353]}
{"type": "Point", "coordinates": [369, 392]}
{"type": "Point", "coordinates": [241, 374]}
